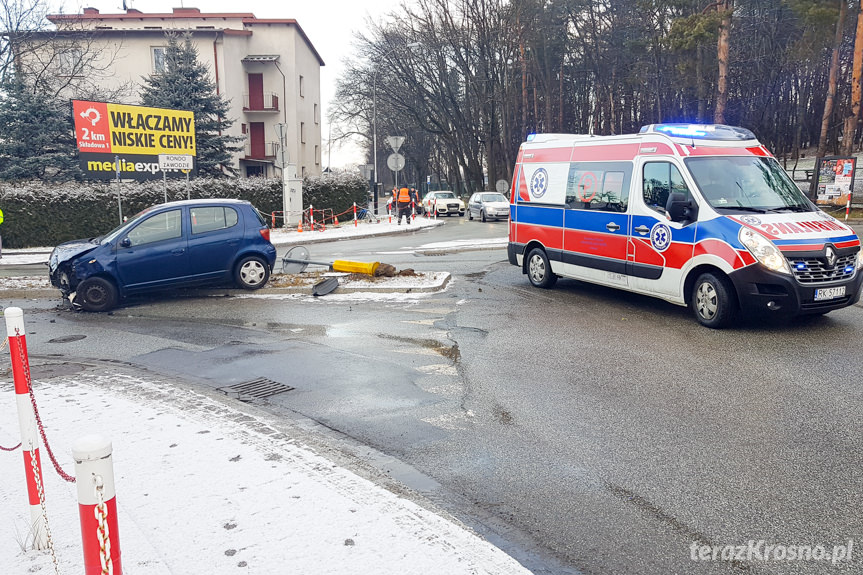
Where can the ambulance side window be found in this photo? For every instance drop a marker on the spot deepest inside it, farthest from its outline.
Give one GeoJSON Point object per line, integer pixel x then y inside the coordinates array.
{"type": "Point", "coordinates": [602, 186]}
{"type": "Point", "coordinates": [660, 180]}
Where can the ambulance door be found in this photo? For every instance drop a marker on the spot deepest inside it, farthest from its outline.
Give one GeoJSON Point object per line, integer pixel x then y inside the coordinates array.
{"type": "Point", "coordinates": [596, 222]}
{"type": "Point", "coordinates": [658, 248]}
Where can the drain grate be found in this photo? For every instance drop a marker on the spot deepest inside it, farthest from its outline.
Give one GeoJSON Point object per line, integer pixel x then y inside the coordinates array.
{"type": "Point", "coordinates": [260, 388]}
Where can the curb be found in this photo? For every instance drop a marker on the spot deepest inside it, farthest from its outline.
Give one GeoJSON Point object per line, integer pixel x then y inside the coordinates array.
{"type": "Point", "coordinates": [434, 282]}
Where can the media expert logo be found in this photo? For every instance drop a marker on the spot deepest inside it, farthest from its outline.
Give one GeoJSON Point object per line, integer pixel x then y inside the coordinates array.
{"type": "Point", "coordinates": [119, 129]}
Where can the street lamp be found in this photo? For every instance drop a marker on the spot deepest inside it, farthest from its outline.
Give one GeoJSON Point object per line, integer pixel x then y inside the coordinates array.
{"type": "Point", "coordinates": [375, 111]}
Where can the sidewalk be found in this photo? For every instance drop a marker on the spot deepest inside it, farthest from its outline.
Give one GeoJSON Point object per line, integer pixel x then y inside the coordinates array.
{"type": "Point", "coordinates": [212, 486]}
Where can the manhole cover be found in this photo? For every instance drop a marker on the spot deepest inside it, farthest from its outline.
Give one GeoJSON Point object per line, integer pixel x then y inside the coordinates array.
{"type": "Point", "coordinates": [259, 388]}
{"type": "Point", "coordinates": [67, 339]}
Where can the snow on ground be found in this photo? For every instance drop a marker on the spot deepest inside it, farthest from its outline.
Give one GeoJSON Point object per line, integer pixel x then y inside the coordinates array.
{"type": "Point", "coordinates": [203, 487]}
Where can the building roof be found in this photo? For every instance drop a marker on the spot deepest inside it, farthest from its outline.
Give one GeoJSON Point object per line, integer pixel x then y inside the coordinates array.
{"type": "Point", "coordinates": [231, 23]}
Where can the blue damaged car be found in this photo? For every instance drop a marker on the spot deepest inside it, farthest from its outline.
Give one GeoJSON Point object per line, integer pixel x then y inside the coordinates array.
{"type": "Point", "coordinates": [176, 244]}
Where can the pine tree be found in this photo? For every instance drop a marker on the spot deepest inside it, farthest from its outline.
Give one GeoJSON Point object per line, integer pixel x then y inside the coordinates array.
{"type": "Point", "coordinates": [186, 85]}
{"type": "Point", "coordinates": [37, 136]}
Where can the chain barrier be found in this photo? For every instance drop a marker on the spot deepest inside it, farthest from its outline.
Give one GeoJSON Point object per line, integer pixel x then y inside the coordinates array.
{"type": "Point", "coordinates": [42, 433]}
{"type": "Point", "coordinates": [102, 533]}
{"type": "Point", "coordinates": [37, 478]}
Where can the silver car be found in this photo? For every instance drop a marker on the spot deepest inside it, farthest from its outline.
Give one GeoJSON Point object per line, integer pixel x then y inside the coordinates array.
{"type": "Point", "coordinates": [488, 205]}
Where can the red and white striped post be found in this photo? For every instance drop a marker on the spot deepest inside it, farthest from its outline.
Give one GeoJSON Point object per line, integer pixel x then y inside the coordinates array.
{"type": "Point", "coordinates": [355, 214]}
{"type": "Point", "coordinates": [97, 505]}
{"type": "Point", "coordinates": [27, 421]}
{"type": "Point", "coordinates": [312, 216]}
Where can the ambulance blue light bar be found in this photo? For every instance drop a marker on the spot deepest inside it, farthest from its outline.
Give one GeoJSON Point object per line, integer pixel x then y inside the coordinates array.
{"type": "Point", "coordinates": [717, 132]}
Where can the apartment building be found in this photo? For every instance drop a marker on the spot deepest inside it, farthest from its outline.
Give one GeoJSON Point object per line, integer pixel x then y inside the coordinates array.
{"type": "Point", "coordinates": [267, 68]}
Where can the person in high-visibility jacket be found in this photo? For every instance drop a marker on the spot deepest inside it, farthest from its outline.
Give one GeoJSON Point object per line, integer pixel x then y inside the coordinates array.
{"type": "Point", "coordinates": [404, 199]}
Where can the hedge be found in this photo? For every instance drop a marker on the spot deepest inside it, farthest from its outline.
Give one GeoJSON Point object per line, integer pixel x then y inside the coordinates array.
{"type": "Point", "coordinates": [42, 214]}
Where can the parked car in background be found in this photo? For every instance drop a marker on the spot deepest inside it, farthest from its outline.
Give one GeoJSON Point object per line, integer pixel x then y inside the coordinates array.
{"type": "Point", "coordinates": [191, 242]}
{"type": "Point", "coordinates": [444, 203]}
{"type": "Point", "coordinates": [487, 205]}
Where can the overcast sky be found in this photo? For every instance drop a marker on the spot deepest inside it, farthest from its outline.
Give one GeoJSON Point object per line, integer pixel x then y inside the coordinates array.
{"type": "Point", "coordinates": [329, 24]}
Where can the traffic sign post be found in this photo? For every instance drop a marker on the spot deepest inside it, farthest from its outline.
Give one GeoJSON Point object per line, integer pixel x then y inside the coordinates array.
{"type": "Point", "coordinates": [396, 162]}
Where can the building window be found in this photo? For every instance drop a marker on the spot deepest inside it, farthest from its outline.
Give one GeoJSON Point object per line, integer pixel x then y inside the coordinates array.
{"type": "Point", "coordinates": [302, 88]}
{"type": "Point", "coordinates": [317, 155]}
{"type": "Point", "coordinates": [303, 132]}
{"type": "Point", "coordinates": [317, 118]}
{"type": "Point", "coordinates": [160, 59]}
{"type": "Point", "coordinates": [304, 172]}
{"type": "Point", "coordinates": [70, 62]}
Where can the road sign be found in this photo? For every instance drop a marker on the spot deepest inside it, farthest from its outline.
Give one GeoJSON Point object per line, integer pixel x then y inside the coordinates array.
{"type": "Point", "coordinates": [175, 162]}
{"type": "Point", "coordinates": [396, 162]}
{"type": "Point", "coordinates": [395, 143]}
{"type": "Point", "coordinates": [501, 186]}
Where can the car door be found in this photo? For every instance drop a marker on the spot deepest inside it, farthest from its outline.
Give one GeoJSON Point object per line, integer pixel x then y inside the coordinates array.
{"type": "Point", "coordinates": [597, 222]}
{"type": "Point", "coordinates": [474, 205]}
{"type": "Point", "coordinates": [659, 248]}
{"type": "Point", "coordinates": [216, 233]}
{"type": "Point", "coordinates": [153, 253]}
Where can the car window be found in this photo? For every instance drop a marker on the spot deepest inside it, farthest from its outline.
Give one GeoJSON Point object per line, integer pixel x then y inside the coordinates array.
{"type": "Point", "coordinates": [207, 219]}
{"type": "Point", "coordinates": [660, 180]}
{"type": "Point", "coordinates": [445, 195]}
{"type": "Point", "coordinates": [493, 198]}
{"type": "Point", "coordinates": [602, 186]}
{"type": "Point", "coordinates": [162, 226]}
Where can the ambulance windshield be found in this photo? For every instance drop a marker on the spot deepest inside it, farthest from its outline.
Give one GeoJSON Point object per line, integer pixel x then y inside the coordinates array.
{"type": "Point", "coordinates": [747, 184]}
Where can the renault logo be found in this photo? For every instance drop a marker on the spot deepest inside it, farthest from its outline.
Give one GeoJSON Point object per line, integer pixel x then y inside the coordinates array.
{"type": "Point", "coordinates": [831, 256]}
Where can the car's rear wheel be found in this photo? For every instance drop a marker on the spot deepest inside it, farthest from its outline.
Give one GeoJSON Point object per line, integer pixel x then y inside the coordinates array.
{"type": "Point", "coordinates": [252, 273]}
{"type": "Point", "coordinates": [96, 294]}
{"type": "Point", "coordinates": [713, 300]}
{"type": "Point", "coordinates": [539, 269]}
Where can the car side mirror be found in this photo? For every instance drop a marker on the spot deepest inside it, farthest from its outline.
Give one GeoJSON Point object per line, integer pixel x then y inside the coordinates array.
{"type": "Point", "coordinates": [125, 243]}
{"type": "Point", "coordinates": [681, 208]}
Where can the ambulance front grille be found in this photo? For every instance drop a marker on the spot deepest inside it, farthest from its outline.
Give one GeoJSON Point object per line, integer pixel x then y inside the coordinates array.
{"type": "Point", "coordinates": [816, 270]}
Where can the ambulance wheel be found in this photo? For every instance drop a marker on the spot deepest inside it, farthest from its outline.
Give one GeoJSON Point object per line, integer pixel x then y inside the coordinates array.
{"type": "Point", "coordinates": [539, 270]}
{"type": "Point", "coordinates": [713, 300]}
{"type": "Point", "coordinates": [96, 294]}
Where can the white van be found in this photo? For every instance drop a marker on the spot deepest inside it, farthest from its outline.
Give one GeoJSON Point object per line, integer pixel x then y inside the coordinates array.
{"type": "Point", "coordinates": [698, 215]}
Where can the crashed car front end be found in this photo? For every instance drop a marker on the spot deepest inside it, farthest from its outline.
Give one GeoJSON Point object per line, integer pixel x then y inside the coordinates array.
{"type": "Point", "coordinates": [66, 268]}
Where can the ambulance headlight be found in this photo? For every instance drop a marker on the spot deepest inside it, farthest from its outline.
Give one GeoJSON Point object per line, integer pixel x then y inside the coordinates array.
{"type": "Point", "coordinates": [764, 251]}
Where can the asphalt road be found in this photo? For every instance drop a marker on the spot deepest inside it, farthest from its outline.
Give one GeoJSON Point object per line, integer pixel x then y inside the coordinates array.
{"type": "Point", "coordinates": [582, 429]}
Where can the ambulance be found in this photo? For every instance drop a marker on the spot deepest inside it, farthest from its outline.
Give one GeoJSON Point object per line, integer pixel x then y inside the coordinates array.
{"type": "Point", "coordinates": [698, 215]}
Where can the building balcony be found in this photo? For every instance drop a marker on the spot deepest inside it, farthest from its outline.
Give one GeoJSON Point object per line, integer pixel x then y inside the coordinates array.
{"type": "Point", "coordinates": [266, 102]}
{"type": "Point", "coordinates": [264, 151]}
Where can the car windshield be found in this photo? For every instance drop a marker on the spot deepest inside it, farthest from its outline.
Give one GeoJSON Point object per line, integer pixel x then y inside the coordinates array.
{"type": "Point", "coordinates": [493, 198]}
{"type": "Point", "coordinates": [444, 195]}
{"type": "Point", "coordinates": [121, 229]}
{"type": "Point", "coordinates": [747, 184]}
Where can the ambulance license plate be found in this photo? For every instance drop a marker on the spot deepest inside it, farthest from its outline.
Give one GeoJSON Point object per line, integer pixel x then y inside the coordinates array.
{"type": "Point", "coordinates": [829, 293]}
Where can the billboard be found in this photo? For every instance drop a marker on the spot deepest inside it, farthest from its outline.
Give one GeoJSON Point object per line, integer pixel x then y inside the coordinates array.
{"type": "Point", "coordinates": [118, 140]}
{"type": "Point", "coordinates": [835, 180]}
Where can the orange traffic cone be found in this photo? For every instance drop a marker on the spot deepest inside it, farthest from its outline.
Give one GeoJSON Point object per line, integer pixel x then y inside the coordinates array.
{"type": "Point", "coordinates": [300, 227]}
{"type": "Point", "coordinates": [336, 223]}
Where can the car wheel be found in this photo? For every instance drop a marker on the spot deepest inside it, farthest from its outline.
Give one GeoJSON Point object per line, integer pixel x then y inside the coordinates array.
{"type": "Point", "coordinates": [482, 215]}
{"type": "Point", "coordinates": [539, 269]}
{"type": "Point", "coordinates": [713, 300]}
{"type": "Point", "coordinates": [96, 294]}
{"type": "Point", "coordinates": [252, 273]}
{"type": "Point", "coordinates": [470, 215]}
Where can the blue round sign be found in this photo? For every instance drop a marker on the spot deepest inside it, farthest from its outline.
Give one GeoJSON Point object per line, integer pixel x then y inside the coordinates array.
{"type": "Point", "coordinates": [539, 183]}
{"type": "Point", "coordinates": [660, 237]}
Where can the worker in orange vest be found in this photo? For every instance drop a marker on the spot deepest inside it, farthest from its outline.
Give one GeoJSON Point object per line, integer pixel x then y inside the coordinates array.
{"type": "Point", "coordinates": [404, 204]}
